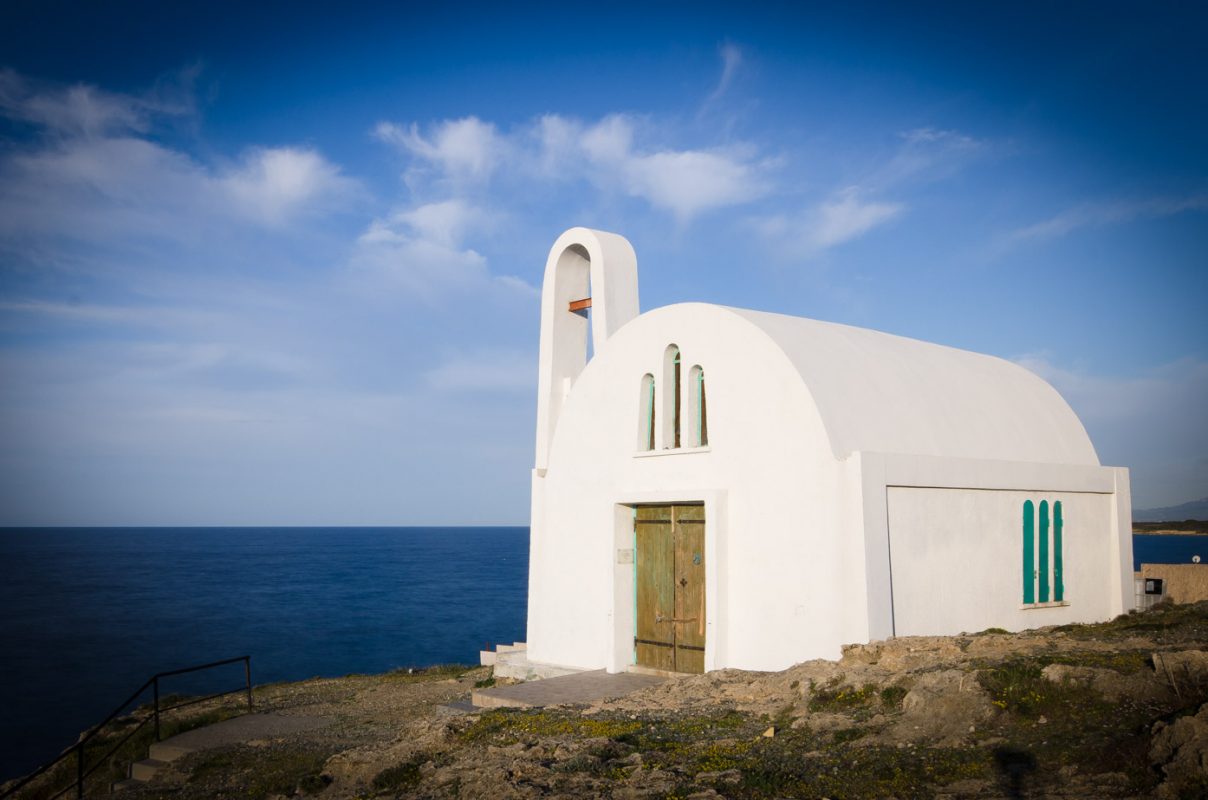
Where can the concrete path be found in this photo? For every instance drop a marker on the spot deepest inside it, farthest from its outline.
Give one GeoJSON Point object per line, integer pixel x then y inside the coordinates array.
{"type": "Point", "coordinates": [582, 687]}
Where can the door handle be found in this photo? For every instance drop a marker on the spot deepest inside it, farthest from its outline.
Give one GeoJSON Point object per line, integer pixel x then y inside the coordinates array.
{"type": "Point", "coordinates": [661, 618]}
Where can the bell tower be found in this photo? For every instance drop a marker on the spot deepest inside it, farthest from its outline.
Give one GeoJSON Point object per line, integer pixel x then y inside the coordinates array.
{"type": "Point", "coordinates": [590, 277]}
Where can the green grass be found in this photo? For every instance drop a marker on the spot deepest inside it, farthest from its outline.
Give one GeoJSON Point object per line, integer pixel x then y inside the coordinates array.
{"type": "Point", "coordinates": [506, 726]}
{"type": "Point", "coordinates": [1166, 623]}
{"type": "Point", "coordinates": [838, 698]}
{"type": "Point", "coordinates": [259, 773]}
{"type": "Point", "coordinates": [892, 697]}
{"type": "Point", "coordinates": [1019, 687]}
{"type": "Point", "coordinates": [438, 672]}
{"type": "Point", "coordinates": [402, 776]}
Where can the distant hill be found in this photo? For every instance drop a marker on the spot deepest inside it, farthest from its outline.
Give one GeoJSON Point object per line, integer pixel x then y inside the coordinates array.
{"type": "Point", "coordinates": [1196, 509]}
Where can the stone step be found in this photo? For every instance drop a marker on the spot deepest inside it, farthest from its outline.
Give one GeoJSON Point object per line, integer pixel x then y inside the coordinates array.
{"type": "Point", "coordinates": [129, 783]}
{"type": "Point", "coordinates": [145, 770]}
{"type": "Point", "coordinates": [162, 751]}
{"type": "Point", "coordinates": [489, 658]}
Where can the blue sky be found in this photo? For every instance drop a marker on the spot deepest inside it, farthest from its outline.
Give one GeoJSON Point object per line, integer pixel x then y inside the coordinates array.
{"type": "Point", "coordinates": [273, 266]}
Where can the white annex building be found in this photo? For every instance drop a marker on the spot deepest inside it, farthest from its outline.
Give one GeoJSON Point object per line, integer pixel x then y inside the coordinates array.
{"type": "Point", "coordinates": [717, 487]}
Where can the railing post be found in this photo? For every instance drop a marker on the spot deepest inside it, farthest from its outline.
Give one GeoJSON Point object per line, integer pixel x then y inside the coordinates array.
{"type": "Point", "coordinates": [247, 676]}
{"type": "Point", "coordinates": [79, 770]}
{"type": "Point", "coordinates": [155, 682]}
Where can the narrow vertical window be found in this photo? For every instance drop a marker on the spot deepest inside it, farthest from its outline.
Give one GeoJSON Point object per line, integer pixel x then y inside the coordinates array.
{"type": "Point", "coordinates": [678, 403]}
{"type": "Point", "coordinates": [696, 382]}
{"type": "Point", "coordinates": [646, 414]}
{"type": "Point", "coordinates": [1058, 567]}
{"type": "Point", "coordinates": [671, 401]}
{"type": "Point", "coordinates": [1029, 560]}
{"type": "Point", "coordinates": [1044, 551]}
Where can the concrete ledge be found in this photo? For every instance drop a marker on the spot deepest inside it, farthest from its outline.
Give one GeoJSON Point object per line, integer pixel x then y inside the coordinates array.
{"type": "Point", "coordinates": [515, 664]}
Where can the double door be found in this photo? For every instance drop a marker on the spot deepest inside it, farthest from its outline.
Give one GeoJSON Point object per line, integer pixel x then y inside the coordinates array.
{"type": "Point", "coordinates": [670, 566]}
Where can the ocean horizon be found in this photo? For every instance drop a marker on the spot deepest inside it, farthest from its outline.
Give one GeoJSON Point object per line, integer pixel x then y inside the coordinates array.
{"type": "Point", "coordinates": [91, 613]}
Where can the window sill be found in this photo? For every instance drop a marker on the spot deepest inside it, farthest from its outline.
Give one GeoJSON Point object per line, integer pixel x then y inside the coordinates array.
{"type": "Point", "coordinates": [671, 451]}
{"type": "Point", "coordinates": [1053, 604]}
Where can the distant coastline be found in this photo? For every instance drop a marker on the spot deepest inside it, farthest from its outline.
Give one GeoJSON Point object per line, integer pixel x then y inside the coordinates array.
{"type": "Point", "coordinates": [1183, 528]}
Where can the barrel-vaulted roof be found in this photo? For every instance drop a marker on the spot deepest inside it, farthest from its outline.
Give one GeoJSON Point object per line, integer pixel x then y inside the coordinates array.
{"type": "Point", "coordinates": [877, 392]}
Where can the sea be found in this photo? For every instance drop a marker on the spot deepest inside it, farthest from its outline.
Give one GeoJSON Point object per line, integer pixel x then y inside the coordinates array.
{"type": "Point", "coordinates": [1169, 548]}
{"type": "Point", "coordinates": [88, 614]}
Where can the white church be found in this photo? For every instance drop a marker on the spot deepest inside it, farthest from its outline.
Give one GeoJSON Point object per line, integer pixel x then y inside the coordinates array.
{"type": "Point", "coordinates": [716, 487]}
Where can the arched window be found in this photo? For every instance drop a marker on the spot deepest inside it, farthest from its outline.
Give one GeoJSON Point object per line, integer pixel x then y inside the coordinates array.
{"type": "Point", "coordinates": [1043, 553]}
{"type": "Point", "coordinates": [1029, 552]}
{"type": "Point", "coordinates": [696, 384]}
{"type": "Point", "coordinates": [671, 397]}
{"type": "Point", "coordinates": [646, 414]}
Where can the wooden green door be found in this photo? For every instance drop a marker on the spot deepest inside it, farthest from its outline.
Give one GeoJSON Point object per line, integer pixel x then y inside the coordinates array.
{"type": "Point", "coordinates": [670, 567]}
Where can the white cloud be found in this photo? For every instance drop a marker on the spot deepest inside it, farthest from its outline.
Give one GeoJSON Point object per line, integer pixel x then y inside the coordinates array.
{"type": "Point", "coordinates": [74, 110]}
{"type": "Point", "coordinates": [841, 218]}
{"type": "Point", "coordinates": [684, 182]}
{"type": "Point", "coordinates": [96, 174]}
{"type": "Point", "coordinates": [419, 250]}
{"type": "Point", "coordinates": [846, 217]}
{"type": "Point", "coordinates": [731, 58]}
{"type": "Point", "coordinates": [609, 140]}
{"type": "Point", "coordinates": [606, 154]}
{"type": "Point", "coordinates": [1152, 423]}
{"type": "Point", "coordinates": [273, 185]}
{"type": "Point", "coordinates": [1100, 214]}
{"type": "Point", "coordinates": [461, 148]}
{"type": "Point", "coordinates": [445, 222]}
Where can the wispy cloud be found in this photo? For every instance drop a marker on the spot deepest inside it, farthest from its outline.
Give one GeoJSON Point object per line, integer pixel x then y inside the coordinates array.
{"type": "Point", "coordinates": [731, 60]}
{"type": "Point", "coordinates": [685, 182]}
{"type": "Point", "coordinates": [839, 219]}
{"type": "Point", "coordinates": [1089, 215]}
{"type": "Point", "coordinates": [96, 172]}
{"type": "Point", "coordinates": [845, 217]}
{"type": "Point", "coordinates": [921, 155]}
{"type": "Point", "coordinates": [79, 110]}
{"type": "Point", "coordinates": [466, 148]}
{"type": "Point", "coordinates": [421, 250]}
{"type": "Point", "coordinates": [616, 155]}
{"type": "Point", "coordinates": [927, 154]}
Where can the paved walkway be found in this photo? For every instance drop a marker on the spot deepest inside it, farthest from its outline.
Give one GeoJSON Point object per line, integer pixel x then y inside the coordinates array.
{"type": "Point", "coordinates": [582, 687]}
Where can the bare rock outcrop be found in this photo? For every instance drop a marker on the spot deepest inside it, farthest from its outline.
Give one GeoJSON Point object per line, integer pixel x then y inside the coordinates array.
{"type": "Point", "coordinates": [1180, 750]}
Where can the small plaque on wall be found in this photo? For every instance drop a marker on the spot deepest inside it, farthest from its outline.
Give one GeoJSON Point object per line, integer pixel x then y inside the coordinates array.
{"type": "Point", "coordinates": [625, 556]}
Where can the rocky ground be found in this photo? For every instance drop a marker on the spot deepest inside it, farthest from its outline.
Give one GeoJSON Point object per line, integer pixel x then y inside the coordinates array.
{"type": "Point", "coordinates": [1082, 711]}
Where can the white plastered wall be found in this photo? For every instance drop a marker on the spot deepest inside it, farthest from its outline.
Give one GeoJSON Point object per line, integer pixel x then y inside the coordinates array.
{"type": "Point", "coordinates": [777, 552]}
{"type": "Point", "coordinates": [952, 533]}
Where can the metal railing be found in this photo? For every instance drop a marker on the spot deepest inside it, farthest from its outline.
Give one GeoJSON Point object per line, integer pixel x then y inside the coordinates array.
{"type": "Point", "coordinates": [83, 771]}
